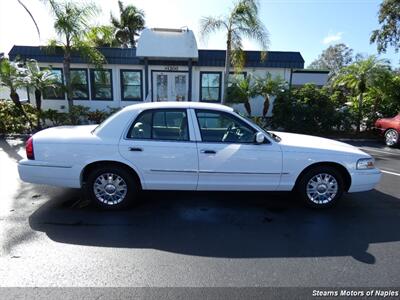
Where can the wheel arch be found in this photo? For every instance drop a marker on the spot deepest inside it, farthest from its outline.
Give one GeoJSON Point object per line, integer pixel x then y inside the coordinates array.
{"type": "Point", "coordinates": [91, 166]}
{"type": "Point", "coordinates": [391, 128]}
{"type": "Point", "coordinates": [340, 168]}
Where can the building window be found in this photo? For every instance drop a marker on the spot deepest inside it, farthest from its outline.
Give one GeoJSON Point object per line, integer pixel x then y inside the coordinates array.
{"type": "Point", "coordinates": [161, 124]}
{"type": "Point", "coordinates": [102, 88]}
{"type": "Point", "coordinates": [131, 85]}
{"type": "Point", "coordinates": [79, 83]}
{"type": "Point", "coordinates": [210, 86]}
{"type": "Point", "coordinates": [58, 91]}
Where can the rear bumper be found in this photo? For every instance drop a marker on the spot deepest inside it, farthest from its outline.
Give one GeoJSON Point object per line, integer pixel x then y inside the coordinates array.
{"type": "Point", "coordinates": [43, 173]}
{"type": "Point", "coordinates": [364, 180]}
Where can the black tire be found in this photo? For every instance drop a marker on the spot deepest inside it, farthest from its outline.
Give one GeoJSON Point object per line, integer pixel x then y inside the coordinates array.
{"type": "Point", "coordinates": [124, 199]}
{"type": "Point", "coordinates": [391, 138]}
{"type": "Point", "coordinates": [318, 201]}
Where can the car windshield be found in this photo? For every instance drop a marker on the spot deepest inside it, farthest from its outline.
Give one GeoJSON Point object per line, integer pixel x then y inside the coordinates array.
{"type": "Point", "coordinates": [270, 134]}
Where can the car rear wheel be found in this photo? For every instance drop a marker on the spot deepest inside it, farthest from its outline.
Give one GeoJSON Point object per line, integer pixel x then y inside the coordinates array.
{"type": "Point", "coordinates": [321, 187]}
{"type": "Point", "coordinates": [391, 137]}
{"type": "Point", "coordinates": [111, 187]}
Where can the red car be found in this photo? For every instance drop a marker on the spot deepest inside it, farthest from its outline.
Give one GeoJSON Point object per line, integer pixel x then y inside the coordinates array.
{"type": "Point", "coordinates": [390, 128]}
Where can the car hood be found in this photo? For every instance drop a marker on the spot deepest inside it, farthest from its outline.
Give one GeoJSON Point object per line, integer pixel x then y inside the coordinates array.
{"type": "Point", "coordinates": [308, 143]}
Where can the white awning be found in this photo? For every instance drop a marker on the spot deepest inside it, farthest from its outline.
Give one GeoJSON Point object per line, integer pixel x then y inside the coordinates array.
{"type": "Point", "coordinates": [162, 43]}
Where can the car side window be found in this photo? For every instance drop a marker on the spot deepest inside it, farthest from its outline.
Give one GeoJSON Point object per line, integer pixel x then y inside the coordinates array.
{"type": "Point", "coordinates": [169, 125]}
{"type": "Point", "coordinates": [141, 128]}
{"type": "Point", "coordinates": [221, 127]}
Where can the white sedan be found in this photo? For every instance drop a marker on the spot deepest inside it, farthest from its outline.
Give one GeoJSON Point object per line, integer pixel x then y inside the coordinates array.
{"type": "Point", "coordinates": [192, 146]}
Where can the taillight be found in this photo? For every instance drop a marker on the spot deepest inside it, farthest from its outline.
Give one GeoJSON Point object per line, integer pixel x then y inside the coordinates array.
{"type": "Point", "coordinates": [29, 149]}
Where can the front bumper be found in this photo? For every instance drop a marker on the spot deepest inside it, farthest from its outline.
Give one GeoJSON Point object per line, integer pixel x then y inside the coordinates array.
{"type": "Point", "coordinates": [364, 180]}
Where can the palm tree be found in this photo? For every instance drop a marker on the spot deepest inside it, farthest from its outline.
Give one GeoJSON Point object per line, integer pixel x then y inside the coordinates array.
{"type": "Point", "coordinates": [268, 86]}
{"type": "Point", "coordinates": [39, 80]}
{"type": "Point", "coordinates": [12, 76]}
{"type": "Point", "coordinates": [359, 77]}
{"type": "Point", "coordinates": [242, 22]}
{"type": "Point", "coordinates": [130, 23]}
{"type": "Point", "coordinates": [241, 91]}
{"type": "Point", "coordinates": [71, 25]}
{"type": "Point", "coordinates": [102, 36]}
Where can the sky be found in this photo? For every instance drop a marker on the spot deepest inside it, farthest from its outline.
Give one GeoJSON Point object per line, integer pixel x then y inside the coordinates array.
{"type": "Point", "coordinates": [307, 26]}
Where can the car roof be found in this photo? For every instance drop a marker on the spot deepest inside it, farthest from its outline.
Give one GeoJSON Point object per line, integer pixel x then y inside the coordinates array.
{"type": "Point", "coordinates": [174, 104]}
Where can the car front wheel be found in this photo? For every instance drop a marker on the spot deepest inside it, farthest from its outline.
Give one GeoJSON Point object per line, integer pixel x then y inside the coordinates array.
{"type": "Point", "coordinates": [111, 187]}
{"type": "Point", "coordinates": [391, 137]}
{"type": "Point", "coordinates": [321, 187]}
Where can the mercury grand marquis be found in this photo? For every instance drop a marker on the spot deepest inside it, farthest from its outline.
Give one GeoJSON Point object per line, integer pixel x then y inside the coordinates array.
{"type": "Point", "coordinates": [192, 146]}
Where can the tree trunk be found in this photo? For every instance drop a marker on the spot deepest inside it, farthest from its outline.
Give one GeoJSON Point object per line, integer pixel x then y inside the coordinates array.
{"type": "Point", "coordinates": [266, 106]}
{"type": "Point", "coordinates": [359, 118]}
{"type": "Point", "coordinates": [227, 68]}
{"type": "Point", "coordinates": [132, 39]}
{"type": "Point", "coordinates": [15, 98]}
{"type": "Point", "coordinates": [247, 106]}
{"type": "Point", "coordinates": [38, 99]}
{"type": "Point", "coordinates": [67, 74]}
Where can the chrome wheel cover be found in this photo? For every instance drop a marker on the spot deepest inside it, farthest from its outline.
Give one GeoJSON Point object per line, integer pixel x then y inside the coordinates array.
{"type": "Point", "coordinates": [110, 188]}
{"type": "Point", "coordinates": [322, 188]}
{"type": "Point", "coordinates": [391, 138]}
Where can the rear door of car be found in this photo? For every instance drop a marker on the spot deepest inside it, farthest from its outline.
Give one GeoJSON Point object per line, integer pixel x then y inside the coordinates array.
{"type": "Point", "coordinates": [160, 143]}
{"type": "Point", "coordinates": [232, 160]}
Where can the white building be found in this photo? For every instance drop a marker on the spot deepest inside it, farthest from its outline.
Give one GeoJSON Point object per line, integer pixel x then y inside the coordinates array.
{"type": "Point", "coordinates": [166, 66]}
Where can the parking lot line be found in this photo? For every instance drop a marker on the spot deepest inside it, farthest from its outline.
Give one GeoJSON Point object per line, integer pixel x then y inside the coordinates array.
{"type": "Point", "coordinates": [391, 173]}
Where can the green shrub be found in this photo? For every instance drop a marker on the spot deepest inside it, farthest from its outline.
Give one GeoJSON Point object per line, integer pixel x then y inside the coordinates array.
{"type": "Point", "coordinates": [308, 109]}
{"type": "Point", "coordinates": [97, 116]}
{"type": "Point", "coordinates": [55, 117]}
{"type": "Point", "coordinates": [78, 115]}
{"type": "Point", "coordinates": [12, 121]}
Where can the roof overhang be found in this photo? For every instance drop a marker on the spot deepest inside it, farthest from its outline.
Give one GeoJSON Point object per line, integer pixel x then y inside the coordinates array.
{"type": "Point", "coordinates": [162, 43]}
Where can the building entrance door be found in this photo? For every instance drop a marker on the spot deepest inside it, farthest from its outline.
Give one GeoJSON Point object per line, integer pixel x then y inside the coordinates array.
{"type": "Point", "coordinates": [170, 86]}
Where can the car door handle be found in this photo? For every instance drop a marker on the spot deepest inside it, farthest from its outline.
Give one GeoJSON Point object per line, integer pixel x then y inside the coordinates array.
{"type": "Point", "coordinates": [208, 151]}
{"type": "Point", "coordinates": [137, 149]}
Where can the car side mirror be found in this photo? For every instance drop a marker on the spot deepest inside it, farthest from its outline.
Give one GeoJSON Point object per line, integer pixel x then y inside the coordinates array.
{"type": "Point", "coordinates": [259, 138]}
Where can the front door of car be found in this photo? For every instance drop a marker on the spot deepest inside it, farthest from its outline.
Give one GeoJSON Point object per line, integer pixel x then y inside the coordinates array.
{"type": "Point", "coordinates": [159, 145]}
{"type": "Point", "coordinates": [229, 158]}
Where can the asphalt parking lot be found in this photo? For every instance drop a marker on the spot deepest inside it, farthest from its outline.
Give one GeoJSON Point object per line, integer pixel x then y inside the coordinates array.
{"type": "Point", "coordinates": [50, 237]}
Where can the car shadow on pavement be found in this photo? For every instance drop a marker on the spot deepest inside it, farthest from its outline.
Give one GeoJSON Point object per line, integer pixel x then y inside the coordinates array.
{"type": "Point", "coordinates": [11, 150]}
{"type": "Point", "coordinates": [227, 224]}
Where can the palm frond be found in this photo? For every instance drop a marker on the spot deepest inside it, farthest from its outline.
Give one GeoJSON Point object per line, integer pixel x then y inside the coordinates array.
{"type": "Point", "coordinates": [128, 25]}
{"type": "Point", "coordinates": [30, 14]}
{"type": "Point", "coordinates": [238, 56]}
{"type": "Point", "coordinates": [89, 53]}
{"type": "Point", "coordinates": [72, 19]}
{"type": "Point", "coordinates": [210, 25]}
{"type": "Point", "coordinates": [114, 21]}
{"type": "Point", "coordinates": [246, 23]}
{"type": "Point", "coordinates": [120, 6]}
{"type": "Point", "coordinates": [257, 33]}
{"type": "Point", "coordinates": [39, 79]}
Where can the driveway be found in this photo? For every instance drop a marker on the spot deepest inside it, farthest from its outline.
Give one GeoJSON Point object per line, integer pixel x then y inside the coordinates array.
{"type": "Point", "coordinates": [50, 237]}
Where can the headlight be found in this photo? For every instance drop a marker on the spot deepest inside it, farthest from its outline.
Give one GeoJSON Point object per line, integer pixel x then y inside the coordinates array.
{"type": "Point", "coordinates": [365, 163]}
